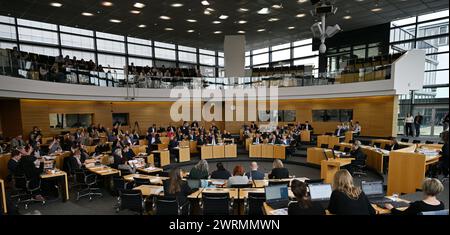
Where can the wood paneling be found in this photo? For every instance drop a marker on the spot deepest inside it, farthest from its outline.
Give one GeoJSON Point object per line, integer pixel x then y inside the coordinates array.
{"type": "Point", "coordinates": [11, 123]}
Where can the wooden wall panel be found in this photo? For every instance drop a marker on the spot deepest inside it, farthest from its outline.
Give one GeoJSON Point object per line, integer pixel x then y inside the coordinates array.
{"type": "Point", "coordinates": [11, 123]}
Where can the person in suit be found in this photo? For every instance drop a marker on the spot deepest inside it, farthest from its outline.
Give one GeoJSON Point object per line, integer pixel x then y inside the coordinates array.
{"type": "Point", "coordinates": [128, 153]}
{"type": "Point", "coordinates": [194, 124]}
{"type": "Point", "coordinates": [176, 187]}
{"type": "Point", "coordinates": [253, 126]}
{"type": "Point", "coordinates": [74, 160]}
{"type": "Point", "coordinates": [278, 170]}
{"type": "Point", "coordinates": [212, 139]}
{"type": "Point", "coordinates": [221, 173]}
{"type": "Point", "coordinates": [357, 129]}
{"type": "Point", "coordinates": [339, 131]}
{"type": "Point", "coordinates": [346, 198]}
{"type": "Point", "coordinates": [444, 153]}
{"type": "Point", "coordinates": [152, 129]}
{"type": "Point", "coordinates": [303, 205]}
{"type": "Point", "coordinates": [431, 187]}
{"type": "Point", "coordinates": [307, 127]}
{"type": "Point", "coordinates": [17, 142]}
{"type": "Point", "coordinates": [358, 155]}
{"type": "Point", "coordinates": [200, 170]}
{"type": "Point", "coordinates": [13, 163]}
{"type": "Point", "coordinates": [238, 177]}
{"type": "Point", "coordinates": [201, 140]}
{"type": "Point", "coordinates": [32, 168]}
{"type": "Point", "coordinates": [254, 174]}
{"type": "Point", "coordinates": [257, 139]}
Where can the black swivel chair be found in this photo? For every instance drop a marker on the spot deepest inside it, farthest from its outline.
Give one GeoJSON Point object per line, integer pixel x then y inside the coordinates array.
{"type": "Point", "coordinates": [347, 149]}
{"type": "Point", "coordinates": [170, 206]}
{"type": "Point", "coordinates": [360, 168]}
{"type": "Point", "coordinates": [324, 146]}
{"type": "Point", "coordinates": [254, 203]}
{"type": "Point", "coordinates": [140, 181]}
{"type": "Point", "coordinates": [240, 187]}
{"type": "Point", "coordinates": [216, 204]}
{"type": "Point", "coordinates": [131, 200]}
{"type": "Point", "coordinates": [405, 140]}
{"type": "Point", "coordinates": [416, 142]}
{"type": "Point", "coordinates": [87, 183]}
{"type": "Point", "coordinates": [429, 142]}
{"type": "Point", "coordinates": [336, 148]}
{"type": "Point", "coordinates": [26, 190]}
{"type": "Point", "coordinates": [388, 147]}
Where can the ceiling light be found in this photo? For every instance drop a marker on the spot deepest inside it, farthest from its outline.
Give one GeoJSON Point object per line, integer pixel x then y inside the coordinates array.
{"type": "Point", "coordinates": [139, 5]}
{"type": "Point", "coordinates": [243, 9]}
{"type": "Point", "coordinates": [264, 11]}
{"type": "Point", "coordinates": [191, 20]}
{"type": "Point", "coordinates": [240, 31]}
{"type": "Point", "coordinates": [242, 22]}
{"type": "Point", "coordinates": [56, 4]}
{"type": "Point", "coordinates": [273, 19]}
{"type": "Point", "coordinates": [205, 3]}
{"type": "Point", "coordinates": [216, 22]}
{"type": "Point", "coordinates": [206, 12]}
{"type": "Point", "coordinates": [277, 6]}
{"type": "Point", "coordinates": [210, 9]}
{"type": "Point", "coordinates": [223, 17]}
{"type": "Point", "coordinates": [142, 26]}
{"type": "Point", "coordinates": [164, 18]}
{"type": "Point", "coordinates": [191, 31]}
{"type": "Point", "coordinates": [376, 9]}
{"type": "Point", "coordinates": [115, 21]}
{"type": "Point", "coordinates": [168, 29]}
{"type": "Point", "coordinates": [347, 17]}
{"type": "Point", "coordinates": [136, 12]}
{"type": "Point", "coordinates": [291, 27]}
{"type": "Point", "coordinates": [107, 4]}
{"type": "Point", "coordinates": [177, 4]}
{"type": "Point", "coordinates": [300, 15]}
{"type": "Point", "coordinates": [217, 32]}
{"type": "Point", "coordinates": [261, 30]}
{"type": "Point", "coordinates": [87, 14]}
{"type": "Point", "coordinates": [302, 1]}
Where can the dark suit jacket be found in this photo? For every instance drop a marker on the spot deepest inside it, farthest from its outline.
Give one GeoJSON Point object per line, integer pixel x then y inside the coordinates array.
{"type": "Point", "coordinates": [255, 175]}
{"type": "Point", "coordinates": [220, 174]}
{"type": "Point", "coordinates": [254, 140]}
{"type": "Point", "coordinates": [279, 173]}
{"type": "Point", "coordinates": [360, 157]}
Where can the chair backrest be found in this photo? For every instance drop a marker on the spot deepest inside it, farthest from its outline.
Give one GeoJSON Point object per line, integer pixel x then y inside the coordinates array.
{"type": "Point", "coordinates": [119, 183]}
{"type": "Point", "coordinates": [255, 203]}
{"type": "Point", "coordinates": [277, 182]}
{"type": "Point", "coordinates": [166, 205]}
{"type": "Point", "coordinates": [416, 141]}
{"type": "Point", "coordinates": [20, 182]}
{"type": "Point", "coordinates": [79, 176]}
{"type": "Point", "coordinates": [347, 149]}
{"type": "Point", "coordinates": [387, 147]}
{"type": "Point", "coordinates": [131, 200]}
{"type": "Point", "coordinates": [241, 185]}
{"type": "Point", "coordinates": [405, 140]}
{"type": "Point", "coordinates": [140, 181]}
{"type": "Point", "coordinates": [429, 142]}
{"type": "Point", "coordinates": [336, 148]}
{"type": "Point", "coordinates": [90, 179]}
{"type": "Point", "coordinates": [216, 203]}
{"type": "Point", "coordinates": [324, 146]}
{"type": "Point", "coordinates": [441, 212]}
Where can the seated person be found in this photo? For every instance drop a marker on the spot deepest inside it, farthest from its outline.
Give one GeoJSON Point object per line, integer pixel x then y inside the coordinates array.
{"type": "Point", "coordinates": [431, 188]}
{"type": "Point", "coordinates": [128, 153]}
{"type": "Point", "coordinates": [74, 161]}
{"type": "Point", "coordinates": [254, 174]}
{"type": "Point", "coordinates": [32, 168]}
{"type": "Point", "coordinates": [257, 139]}
{"type": "Point", "coordinates": [221, 173]}
{"type": "Point", "coordinates": [13, 163]}
{"type": "Point", "coordinates": [346, 198]}
{"type": "Point", "coordinates": [303, 205]}
{"type": "Point", "coordinates": [395, 144]}
{"type": "Point", "coordinates": [357, 129]}
{"type": "Point", "coordinates": [358, 155]}
{"type": "Point", "coordinates": [278, 171]}
{"type": "Point", "coordinates": [175, 186]}
{"type": "Point", "coordinates": [200, 170]}
{"type": "Point", "coordinates": [55, 146]}
{"type": "Point", "coordinates": [238, 177]}
{"type": "Point", "coordinates": [307, 126]}
{"type": "Point", "coordinates": [340, 131]}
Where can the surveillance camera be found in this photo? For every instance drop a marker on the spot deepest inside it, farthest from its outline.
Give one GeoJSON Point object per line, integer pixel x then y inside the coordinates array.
{"type": "Point", "coordinates": [322, 48]}
{"type": "Point", "coordinates": [317, 30]}
{"type": "Point", "coordinates": [332, 30]}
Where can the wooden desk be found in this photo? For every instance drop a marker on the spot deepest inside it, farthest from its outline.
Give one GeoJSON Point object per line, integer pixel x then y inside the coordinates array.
{"type": "Point", "coordinates": [59, 160]}
{"type": "Point", "coordinates": [230, 151]}
{"type": "Point", "coordinates": [219, 151]}
{"type": "Point", "coordinates": [164, 140]}
{"type": "Point", "coordinates": [248, 142]}
{"type": "Point", "coordinates": [91, 149]}
{"type": "Point", "coordinates": [62, 176]}
{"type": "Point", "coordinates": [328, 168]}
{"type": "Point", "coordinates": [255, 150]}
{"type": "Point", "coordinates": [266, 151]}
{"type": "Point", "coordinates": [206, 152]}
{"type": "Point", "coordinates": [348, 136]}
{"type": "Point", "coordinates": [407, 170]}
{"type": "Point", "coordinates": [331, 141]}
{"type": "Point", "coordinates": [198, 194]}
{"type": "Point", "coordinates": [104, 170]}
{"type": "Point", "coordinates": [150, 190]}
{"type": "Point", "coordinates": [279, 151]}
{"type": "Point", "coordinates": [315, 155]}
{"type": "Point", "coordinates": [305, 136]}
{"type": "Point", "coordinates": [184, 154]}
{"type": "Point", "coordinates": [4, 158]}
{"type": "Point", "coordinates": [137, 149]}
{"type": "Point", "coordinates": [150, 170]}
{"type": "Point", "coordinates": [160, 158]}
{"type": "Point", "coordinates": [381, 142]}
{"type": "Point", "coordinates": [193, 146]}
{"type": "Point", "coordinates": [3, 197]}
{"type": "Point", "coordinates": [153, 179]}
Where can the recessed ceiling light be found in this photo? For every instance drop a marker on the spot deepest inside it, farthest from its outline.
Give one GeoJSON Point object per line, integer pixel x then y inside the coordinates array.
{"type": "Point", "coordinates": [264, 11]}
{"type": "Point", "coordinates": [206, 12]}
{"type": "Point", "coordinates": [242, 22]}
{"type": "Point", "coordinates": [261, 30]}
{"type": "Point", "coordinates": [191, 31]}
{"type": "Point", "coordinates": [136, 12]}
{"type": "Point", "coordinates": [191, 20]}
{"type": "Point", "coordinates": [277, 6]}
{"type": "Point", "coordinates": [223, 17]}
{"type": "Point", "coordinates": [177, 4]}
{"type": "Point", "coordinates": [376, 9]}
{"type": "Point", "coordinates": [205, 3]}
{"type": "Point", "coordinates": [273, 19]}
{"type": "Point", "coordinates": [139, 5]}
{"type": "Point", "coordinates": [210, 9]}
{"type": "Point", "coordinates": [168, 29]}
{"type": "Point", "coordinates": [107, 4]}
{"type": "Point", "coordinates": [87, 14]}
{"type": "Point", "coordinates": [56, 4]}
{"type": "Point", "coordinates": [241, 31]}
{"type": "Point", "coordinates": [142, 26]}
{"type": "Point", "coordinates": [243, 9]}
{"type": "Point", "coordinates": [217, 32]}
{"type": "Point", "coordinates": [291, 27]}
{"type": "Point", "coordinates": [164, 17]}
{"type": "Point", "coordinates": [302, 1]}
{"type": "Point", "coordinates": [216, 22]}
{"type": "Point", "coordinates": [300, 15]}
{"type": "Point", "coordinates": [115, 21]}
{"type": "Point", "coordinates": [347, 17]}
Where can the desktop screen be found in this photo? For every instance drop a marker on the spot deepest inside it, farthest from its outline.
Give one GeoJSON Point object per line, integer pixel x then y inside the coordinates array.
{"type": "Point", "coordinates": [372, 188]}
{"type": "Point", "coordinates": [276, 192]}
{"type": "Point", "coordinates": [320, 191]}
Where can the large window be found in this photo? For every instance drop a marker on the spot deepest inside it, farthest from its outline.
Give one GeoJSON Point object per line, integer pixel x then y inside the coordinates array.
{"type": "Point", "coordinates": [111, 46]}
{"type": "Point", "coordinates": [7, 31]}
{"type": "Point", "coordinates": [139, 50]}
{"type": "Point", "coordinates": [164, 54]}
{"type": "Point", "coordinates": [77, 41]}
{"type": "Point", "coordinates": [79, 54]}
{"type": "Point", "coordinates": [50, 51]}
{"type": "Point", "coordinates": [111, 61]}
{"type": "Point", "coordinates": [207, 60]}
{"type": "Point", "coordinates": [37, 35]}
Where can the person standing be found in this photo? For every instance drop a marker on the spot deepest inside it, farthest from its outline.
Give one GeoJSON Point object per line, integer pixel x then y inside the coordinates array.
{"type": "Point", "coordinates": [417, 123]}
{"type": "Point", "coordinates": [409, 120]}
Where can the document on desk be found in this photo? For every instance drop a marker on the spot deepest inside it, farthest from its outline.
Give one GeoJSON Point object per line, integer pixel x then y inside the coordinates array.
{"type": "Point", "coordinates": [282, 211]}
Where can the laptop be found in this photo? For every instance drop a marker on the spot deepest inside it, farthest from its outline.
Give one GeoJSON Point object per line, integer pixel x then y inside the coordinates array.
{"type": "Point", "coordinates": [320, 193]}
{"type": "Point", "coordinates": [277, 196]}
{"type": "Point", "coordinates": [374, 191]}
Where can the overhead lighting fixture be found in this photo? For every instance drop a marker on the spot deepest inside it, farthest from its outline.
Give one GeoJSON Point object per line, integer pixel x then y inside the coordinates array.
{"type": "Point", "coordinates": [205, 3]}
{"type": "Point", "coordinates": [291, 27]}
{"type": "Point", "coordinates": [136, 12]}
{"type": "Point", "coordinates": [302, 1]}
{"type": "Point", "coordinates": [241, 31]}
{"type": "Point", "coordinates": [261, 30]}
{"type": "Point", "coordinates": [243, 9]}
{"type": "Point", "coordinates": [273, 19]}
{"type": "Point", "coordinates": [191, 31]}
{"type": "Point", "coordinates": [164, 17]}
{"type": "Point", "coordinates": [264, 11]}
{"type": "Point", "coordinates": [206, 12]}
{"type": "Point", "coordinates": [177, 4]}
{"type": "Point", "coordinates": [107, 4]}
{"type": "Point", "coordinates": [277, 6]}
{"type": "Point", "coordinates": [87, 14]}
{"type": "Point", "coordinates": [142, 26]}
{"type": "Point", "coordinates": [216, 22]}
{"type": "Point", "coordinates": [300, 15]}
{"type": "Point", "coordinates": [169, 29]}
{"type": "Point", "coordinates": [115, 21]}
{"type": "Point", "coordinates": [56, 4]}
{"type": "Point", "coordinates": [139, 5]}
{"type": "Point", "coordinates": [191, 20]}
{"type": "Point", "coordinates": [217, 32]}
{"type": "Point", "coordinates": [347, 17]}
{"type": "Point", "coordinates": [376, 9]}
{"type": "Point", "coordinates": [210, 9]}
{"type": "Point", "coordinates": [242, 22]}
{"type": "Point", "coordinates": [223, 17]}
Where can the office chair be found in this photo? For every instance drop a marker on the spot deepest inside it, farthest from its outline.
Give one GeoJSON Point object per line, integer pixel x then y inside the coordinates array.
{"type": "Point", "coordinates": [26, 190]}
{"type": "Point", "coordinates": [388, 147]}
{"type": "Point", "coordinates": [360, 168]}
{"type": "Point", "coordinates": [441, 212]}
{"type": "Point", "coordinates": [131, 200]}
{"type": "Point", "coordinates": [163, 205]}
{"type": "Point", "coordinates": [254, 203]}
{"type": "Point", "coordinates": [347, 149]}
{"type": "Point", "coordinates": [87, 182]}
{"type": "Point", "coordinates": [279, 182]}
{"type": "Point", "coordinates": [324, 146]}
{"type": "Point", "coordinates": [377, 145]}
{"type": "Point", "coordinates": [140, 181]}
{"type": "Point", "coordinates": [429, 142]}
{"type": "Point", "coordinates": [120, 184]}
{"type": "Point", "coordinates": [336, 148]}
{"type": "Point", "coordinates": [216, 204]}
{"type": "Point", "coordinates": [404, 140]}
{"type": "Point", "coordinates": [416, 142]}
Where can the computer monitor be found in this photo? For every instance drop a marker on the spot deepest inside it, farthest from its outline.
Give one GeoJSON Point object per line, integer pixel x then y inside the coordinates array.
{"type": "Point", "coordinates": [194, 183]}
{"type": "Point", "coordinates": [320, 192]}
{"type": "Point", "coordinates": [277, 193]}
{"type": "Point", "coordinates": [374, 188]}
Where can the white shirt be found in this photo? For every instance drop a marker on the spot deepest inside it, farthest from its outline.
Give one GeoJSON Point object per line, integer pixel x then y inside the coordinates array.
{"type": "Point", "coordinates": [236, 180]}
{"type": "Point", "coordinates": [409, 119]}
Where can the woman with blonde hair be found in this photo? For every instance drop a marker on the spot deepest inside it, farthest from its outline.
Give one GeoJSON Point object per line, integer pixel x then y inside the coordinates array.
{"type": "Point", "coordinates": [278, 171]}
{"type": "Point", "coordinates": [347, 199]}
{"type": "Point", "coordinates": [200, 171]}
